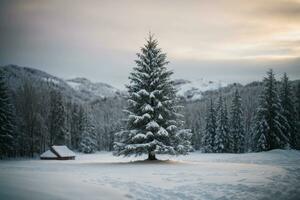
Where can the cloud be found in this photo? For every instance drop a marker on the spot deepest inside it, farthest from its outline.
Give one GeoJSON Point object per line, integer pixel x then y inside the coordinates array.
{"type": "Point", "coordinates": [284, 9]}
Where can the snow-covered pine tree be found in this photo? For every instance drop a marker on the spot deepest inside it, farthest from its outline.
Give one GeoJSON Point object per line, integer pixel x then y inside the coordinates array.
{"type": "Point", "coordinates": [57, 119]}
{"type": "Point", "coordinates": [210, 129]}
{"type": "Point", "coordinates": [228, 139]}
{"type": "Point", "coordinates": [74, 125]}
{"type": "Point", "coordinates": [262, 144]}
{"type": "Point", "coordinates": [236, 124]}
{"type": "Point", "coordinates": [269, 132]}
{"type": "Point", "coordinates": [6, 120]}
{"type": "Point", "coordinates": [298, 115]}
{"type": "Point", "coordinates": [153, 125]}
{"type": "Point", "coordinates": [221, 143]}
{"type": "Point", "coordinates": [260, 129]}
{"type": "Point", "coordinates": [88, 142]}
{"type": "Point", "coordinates": [288, 109]}
{"type": "Point", "coordinates": [77, 125]}
{"type": "Point", "coordinates": [297, 96]}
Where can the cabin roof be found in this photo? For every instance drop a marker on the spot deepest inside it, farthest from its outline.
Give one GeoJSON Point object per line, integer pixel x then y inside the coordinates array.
{"type": "Point", "coordinates": [48, 154]}
{"type": "Point", "coordinates": [62, 151]}
{"type": "Point", "coordinates": [58, 152]}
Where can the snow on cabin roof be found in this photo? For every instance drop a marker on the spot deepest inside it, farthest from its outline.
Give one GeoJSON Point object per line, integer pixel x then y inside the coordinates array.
{"type": "Point", "coordinates": [63, 151]}
{"type": "Point", "coordinates": [48, 154]}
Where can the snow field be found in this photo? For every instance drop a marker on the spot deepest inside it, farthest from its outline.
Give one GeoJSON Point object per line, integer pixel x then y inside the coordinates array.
{"type": "Point", "coordinates": [266, 175]}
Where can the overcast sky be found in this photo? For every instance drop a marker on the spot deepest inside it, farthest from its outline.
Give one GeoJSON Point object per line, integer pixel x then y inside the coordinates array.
{"type": "Point", "coordinates": [228, 40]}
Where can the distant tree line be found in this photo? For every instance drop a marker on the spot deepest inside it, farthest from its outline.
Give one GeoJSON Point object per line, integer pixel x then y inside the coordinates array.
{"type": "Point", "coordinates": [266, 119]}
{"type": "Point", "coordinates": [224, 133]}
{"type": "Point", "coordinates": [236, 119]}
{"type": "Point", "coordinates": [37, 115]}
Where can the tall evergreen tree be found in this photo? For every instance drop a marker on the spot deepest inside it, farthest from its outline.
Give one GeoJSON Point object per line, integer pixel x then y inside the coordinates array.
{"type": "Point", "coordinates": [88, 142]}
{"type": "Point", "coordinates": [77, 125]}
{"type": "Point", "coordinates": [221, 143]}
{"type": "Point", "coordinates": [236, 124]}
{"type": "Point", "coordinates": [298, 116]}
{"type": "Point", "coordinates": [74, 125]}
{"type": "Point", "coordinates": [57, 119]}
{"type": "Point", "coordinates": [288, 109]}
{"type": "Point", "coordinates": [154, 125]}
{"type": "Point", "coordinates": [6, 120]}
{"type": "Point", "coordinates": [228, 138]}
{"type": "Point", "coordinates": [270, 132]}
{"type": "Point", "coordinates": [210, 129]}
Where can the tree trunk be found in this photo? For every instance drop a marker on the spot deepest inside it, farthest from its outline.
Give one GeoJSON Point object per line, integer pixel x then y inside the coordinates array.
{"type": "Point", "coordinates": [151, 156]}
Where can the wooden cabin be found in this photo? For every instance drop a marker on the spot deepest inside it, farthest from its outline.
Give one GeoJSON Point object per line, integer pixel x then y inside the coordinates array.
{"type": "Point", "coordinates": [58, 153]}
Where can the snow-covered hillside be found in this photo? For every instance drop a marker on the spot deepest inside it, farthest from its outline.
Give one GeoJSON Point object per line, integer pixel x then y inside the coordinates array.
{"type": "Point", "coordinates": [270, 175]}
{"type": "Point", "coordinates": [86, 87]}
{"type": "Point", "coordinates": [79, 89]}
{"type": "Point", "coordinates": [85, 90]}
{"type": "Point", "coordinates": [193, 89]}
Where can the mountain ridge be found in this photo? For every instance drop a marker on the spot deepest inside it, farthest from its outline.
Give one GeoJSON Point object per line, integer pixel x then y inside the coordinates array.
{"type": "Point", "coordinates": [16, 75]}
{"type": "Point", "coordinates": [83, 89]}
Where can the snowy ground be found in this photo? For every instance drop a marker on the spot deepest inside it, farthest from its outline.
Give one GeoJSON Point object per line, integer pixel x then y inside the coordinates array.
{"type": "Point", "coordinates": [268, 175]}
